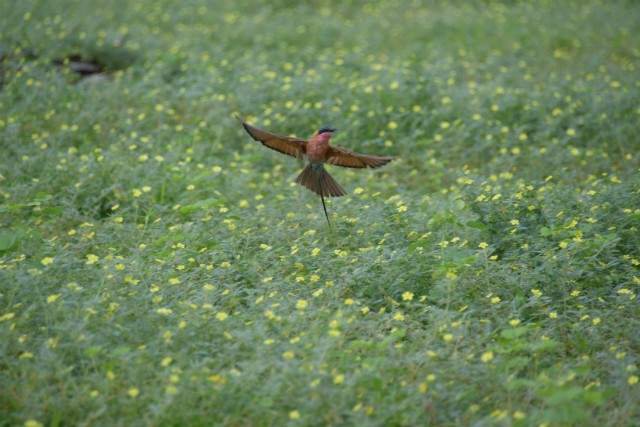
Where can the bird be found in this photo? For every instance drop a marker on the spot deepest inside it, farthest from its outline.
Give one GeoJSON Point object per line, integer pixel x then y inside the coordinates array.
{"type": "Point", "coordinates": [318, 151]}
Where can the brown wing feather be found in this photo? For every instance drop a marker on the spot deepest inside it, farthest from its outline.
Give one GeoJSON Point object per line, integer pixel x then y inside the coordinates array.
{"type": "Point", "coordinates": [348, 159]}
{"type": "Point", "coordinates": [294, 147]}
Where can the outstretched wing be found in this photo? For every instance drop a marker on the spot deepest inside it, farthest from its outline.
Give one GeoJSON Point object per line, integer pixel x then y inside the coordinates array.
{"type": "Point", "coordinates": [285, 144]}
{"type": "Point", "coordinates": [348, 159]}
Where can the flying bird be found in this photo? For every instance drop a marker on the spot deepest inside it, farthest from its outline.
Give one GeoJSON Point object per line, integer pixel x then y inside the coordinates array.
{"type": "Point", "coordinates": [318, 151]}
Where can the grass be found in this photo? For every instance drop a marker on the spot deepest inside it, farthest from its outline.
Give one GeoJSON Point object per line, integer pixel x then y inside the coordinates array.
{"type": "Point", "coordinates": [158, 267]}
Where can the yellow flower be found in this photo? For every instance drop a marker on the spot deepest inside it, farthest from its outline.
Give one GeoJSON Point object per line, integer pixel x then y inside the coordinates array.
{"type": "Point", "coordinates": [399, 317]}
{"type": "Point", "coordinates": [47, 260]}
{"type": "Point", "coordinates": [7, 316]}
{"type": "Point", "coordinates": [338, 379]}
{"type": "Point", "coordinates": [32, 423]}
{"type": "Point", "coordinates": [294, 415]}
{"type": "Point", "coordinates": [221, 315]}
{"type": "Point", "coordinates": [447, 337]}
{"type": "Point", "coordinates": [133, 392]}
{"type": "Point", "coordinates": [407, 296]}
{"type": "Point", "coordinates": [52, 298]}
{"type": "Point", "coordinates": [301, 304]}
{"type": "Point", "coordinates": [486, 357]}
{"type": "Point", "coordinates": [91, 259]}
{"type": "Point", "coordinates": [288, 355]}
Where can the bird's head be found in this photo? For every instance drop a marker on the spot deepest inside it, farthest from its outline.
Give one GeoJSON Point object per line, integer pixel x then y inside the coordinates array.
{"type": "Point", "coordinates": [326, 132]}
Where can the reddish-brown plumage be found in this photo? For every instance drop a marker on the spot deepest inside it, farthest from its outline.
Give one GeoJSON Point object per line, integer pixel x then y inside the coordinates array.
{"type": "Point", "coordinates": [317, 147]}
{"type": "Point", "coordinates": [318, 151]}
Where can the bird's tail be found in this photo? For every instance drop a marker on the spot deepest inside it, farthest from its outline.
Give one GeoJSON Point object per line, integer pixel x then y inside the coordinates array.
{"type": "Point", "coordinates": [318, 180]}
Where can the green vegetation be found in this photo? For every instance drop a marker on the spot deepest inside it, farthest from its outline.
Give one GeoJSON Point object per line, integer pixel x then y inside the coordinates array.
{"type": "Point", "coordinates": [159, 267]}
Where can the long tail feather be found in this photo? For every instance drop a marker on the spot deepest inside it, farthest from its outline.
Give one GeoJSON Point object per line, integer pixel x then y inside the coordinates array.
{"type": "Point", "coordinates": [318, 180]}
{"type": "Point", "coordinates": [325, 210]}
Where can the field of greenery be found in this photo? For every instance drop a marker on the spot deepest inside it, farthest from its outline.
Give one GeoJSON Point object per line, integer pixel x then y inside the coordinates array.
{"type": "Point", "coordinates": [159, 267]}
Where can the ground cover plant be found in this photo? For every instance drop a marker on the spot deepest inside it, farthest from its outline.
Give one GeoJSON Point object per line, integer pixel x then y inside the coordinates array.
{"type": "Point", "coordinates": [159, 267]}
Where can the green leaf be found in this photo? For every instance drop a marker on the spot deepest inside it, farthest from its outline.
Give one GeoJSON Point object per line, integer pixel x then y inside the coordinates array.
{"type": "Point", "coordinates": [53, 211]}
{"type": "Point", "coordinates": [569, 413]}
{"type": "Point", "coordinates": [458, 256]}
{"type": "Point", "coordinates": [521, 384]}
{"type": "Point", "coordinates": [189, 209]}
{"type": "Point", "coordinates": [417, 244]}
{"type": "Point", "coordinates": [121, 351]}
{"type": "Point", "coordinates": [399, 333]}
{"type": "Point", "coordinates": [42, 197]}
{"type": "Point", "coordinates": [11, 207]}
{"type": "Point", "coordinates": [514, 332]}
{"type": "Point", "coordinates": [7, 240]}
{"type": "Point", "coordinates": [92, 351]}
{"type": "Point", "coordinates": [518, 362]}
{"type": "Point", "coordinates": [541, 346]}
{"type": "Point", "coordinates": [559, 396]}
{"type": "Point", "coordinates": [545, 231]}
{"type": "Point", "coordinates": [477, 225]}
{"type": "Point", "coordinates": [594, 397]}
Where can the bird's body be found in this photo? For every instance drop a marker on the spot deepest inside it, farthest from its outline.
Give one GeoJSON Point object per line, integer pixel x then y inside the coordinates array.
{"type": "Point", "coordinates": [318, 152]}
